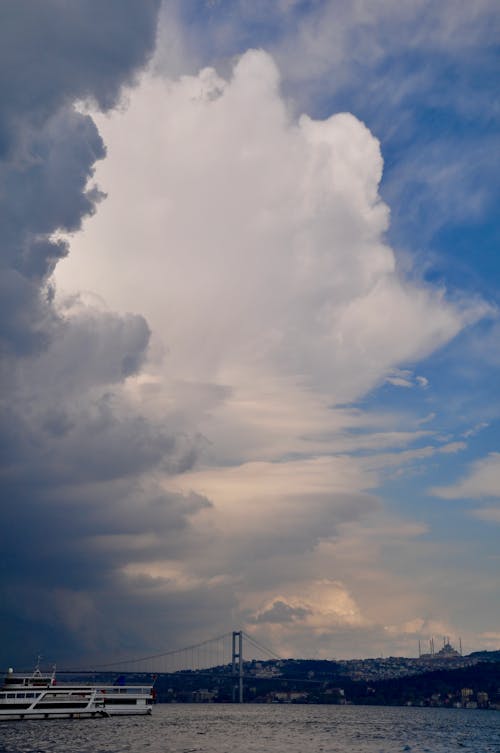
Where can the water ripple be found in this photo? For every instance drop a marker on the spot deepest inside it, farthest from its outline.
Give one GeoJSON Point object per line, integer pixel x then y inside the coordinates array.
{"type": "Point", "coordinates": [198, 728]}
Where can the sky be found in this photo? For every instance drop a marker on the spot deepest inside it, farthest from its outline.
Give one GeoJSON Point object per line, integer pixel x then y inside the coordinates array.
{"type": "Point", "coordinates": [249, 326]}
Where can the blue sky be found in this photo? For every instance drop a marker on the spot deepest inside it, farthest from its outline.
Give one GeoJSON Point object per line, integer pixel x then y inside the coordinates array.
{"type": "Point", "coordinates": [250, 326]}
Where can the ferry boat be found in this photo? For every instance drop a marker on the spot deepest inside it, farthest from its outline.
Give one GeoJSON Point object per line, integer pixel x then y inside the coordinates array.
{"type": "Point", "coordinates": [39, 696]}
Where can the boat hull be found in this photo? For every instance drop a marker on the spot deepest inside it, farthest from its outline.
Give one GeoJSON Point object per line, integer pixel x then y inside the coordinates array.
{"type": "Point", "coordinates": [12, 716]}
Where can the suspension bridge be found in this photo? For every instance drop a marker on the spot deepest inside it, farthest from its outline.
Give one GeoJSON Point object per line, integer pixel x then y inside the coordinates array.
{"type": "Point", "coordinates": [227, 653]}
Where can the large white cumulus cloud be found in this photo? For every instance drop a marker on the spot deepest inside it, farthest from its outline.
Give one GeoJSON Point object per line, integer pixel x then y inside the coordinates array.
{"type": "Point", "coordinates": [254, 243]}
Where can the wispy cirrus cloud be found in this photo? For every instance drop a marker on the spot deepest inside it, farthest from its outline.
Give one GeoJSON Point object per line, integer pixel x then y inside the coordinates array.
{"type": "Point", "coordinates": [481, 482]}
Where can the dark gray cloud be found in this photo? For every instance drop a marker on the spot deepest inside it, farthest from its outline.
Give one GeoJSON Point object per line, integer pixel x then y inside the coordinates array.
{"type": "Point", "coordinates": [53, 53]}
{"type": "Point", "coordinates": [82, 488]}
{"type": "Point", "coordinates": [44, 190]}
{"type": "Point", "coordinates": [81, 493]}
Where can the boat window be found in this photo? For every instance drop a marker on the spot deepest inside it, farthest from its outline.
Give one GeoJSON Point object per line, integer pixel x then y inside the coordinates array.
{"type": "Point", "coordinates": [11, 695]}
{"type": "Point", "coordinates": [20, 695]}
{"type": "Point", "coordinates": [31, 695]}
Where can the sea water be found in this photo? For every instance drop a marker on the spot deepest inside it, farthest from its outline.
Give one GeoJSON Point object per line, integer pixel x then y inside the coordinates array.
{"type": "Point", "coordinates": [218, 728]}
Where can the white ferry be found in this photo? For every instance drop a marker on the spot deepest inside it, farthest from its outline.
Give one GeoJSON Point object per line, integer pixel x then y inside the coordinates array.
{"type": "Point", "coordinates": [39, 696]}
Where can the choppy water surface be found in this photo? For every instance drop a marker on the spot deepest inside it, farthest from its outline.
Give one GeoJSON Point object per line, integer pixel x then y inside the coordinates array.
{"type": "Point", "coordinates": [199, 728]}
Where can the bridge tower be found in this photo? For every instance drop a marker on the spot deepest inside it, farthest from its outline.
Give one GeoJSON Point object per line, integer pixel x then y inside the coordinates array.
{"type": "Point", "coordinates": [237, 665]}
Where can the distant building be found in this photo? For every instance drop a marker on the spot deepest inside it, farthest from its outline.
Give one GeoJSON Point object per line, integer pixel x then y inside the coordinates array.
{"type": "Point", "coordinates": [466, 694]}
{"type": "Point", "coordinates": [482, 699]}
{"type": "Point", "coordinates": [203, 695]}
{"type": "Point", "coordinates": [288, 696]}
{"type": "Point", "coordinates": [446, 652]}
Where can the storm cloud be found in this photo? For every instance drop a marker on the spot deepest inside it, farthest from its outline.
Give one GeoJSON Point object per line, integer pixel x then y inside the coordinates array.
{"type": "Point", "coordinates": [75, 451]}
{"type": "Point", "coordinates": [53, 54]}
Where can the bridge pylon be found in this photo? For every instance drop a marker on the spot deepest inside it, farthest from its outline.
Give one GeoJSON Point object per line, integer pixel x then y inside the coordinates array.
{"type": "Point", "coordinates": [237, 665]}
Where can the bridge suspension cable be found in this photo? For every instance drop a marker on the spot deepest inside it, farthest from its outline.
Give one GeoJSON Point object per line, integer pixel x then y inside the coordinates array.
{"type": "Point", "coordinates": [254, 642]}
{"type": "Point", "coordinates": [212, 652]}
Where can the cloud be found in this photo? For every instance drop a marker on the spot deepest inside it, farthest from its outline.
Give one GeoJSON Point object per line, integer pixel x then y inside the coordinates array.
{"type": "Point", "coordinates": [285, 212]}
{"type": "Point", "coordinates": [318, 608]}
{"type": "Point", "coordinates": [475, 429]}
{"type": "Point", "coordinates": [46, 190]}
{"type": "Point", "coordinates": [326, 604]}
{"type": "Point", "coordinates": [267, 283]}
{"type": "Point", "coordinates": [39, 76]}
{"type": "Point", "coordinates": [490, 514]}
{"type": "Point", "coordinates": [279, 612]}
{"type": "Point", "coordinates": [482, 481]}
{"type": "Point", "coordinates": [405, 378]}
{"type": "Point", "coordinates": [400, 379]}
